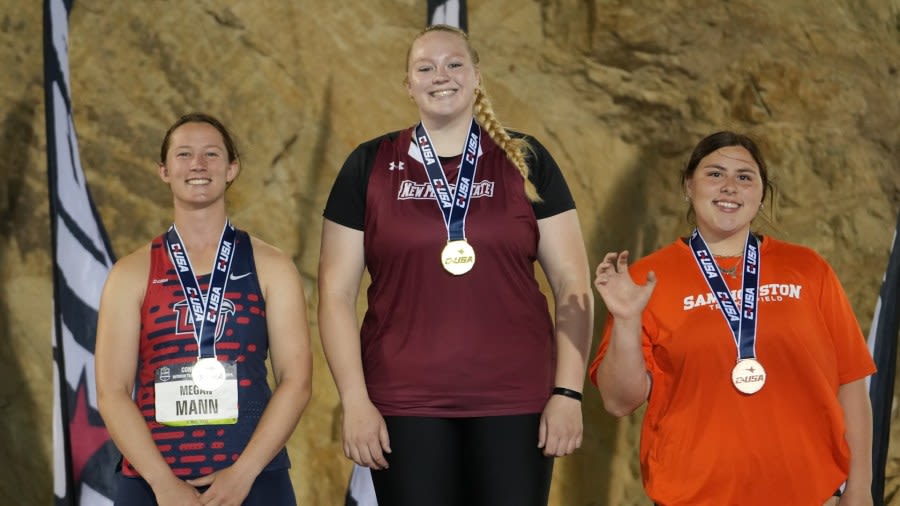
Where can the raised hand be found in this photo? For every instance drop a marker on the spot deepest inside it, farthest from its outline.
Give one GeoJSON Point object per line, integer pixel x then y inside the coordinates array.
{"type": "Point", "coordinates": [624, 298]}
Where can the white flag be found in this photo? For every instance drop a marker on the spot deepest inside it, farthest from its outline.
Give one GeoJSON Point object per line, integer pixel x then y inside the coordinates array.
{"type": "Point", "coordinates": [84, 457]}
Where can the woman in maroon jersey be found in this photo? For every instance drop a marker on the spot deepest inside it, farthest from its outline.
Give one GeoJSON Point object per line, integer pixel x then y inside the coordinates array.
{"type": "Point", "coordinates": [458, 389]}
{"type": "Point", "coordinates": [187, 322]}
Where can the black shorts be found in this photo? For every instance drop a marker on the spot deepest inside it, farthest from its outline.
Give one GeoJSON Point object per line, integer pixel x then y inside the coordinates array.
{"type": "Point", "coordinates": [485, 461]}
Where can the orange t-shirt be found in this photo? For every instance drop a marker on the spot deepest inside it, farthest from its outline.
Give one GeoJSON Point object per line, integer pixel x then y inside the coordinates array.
{"type": "Point", "coordinates": [705, 443]}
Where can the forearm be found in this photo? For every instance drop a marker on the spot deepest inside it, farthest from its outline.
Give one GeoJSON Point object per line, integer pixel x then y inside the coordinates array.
{"type": "Point", "coordinates": [128, 429]}
{"type": "Point", "coordinates": [339, 332]}
{"type": "Point", "coordinates": [574, 325]}
{"type": "Point", "coordinates": [622, 375]}
{"type": "Point", "coordinates": [854, 400]}
{"type": "Point", "coordinates": [564, 261]}
{"type": "Point", "coordinates": [278, 422]}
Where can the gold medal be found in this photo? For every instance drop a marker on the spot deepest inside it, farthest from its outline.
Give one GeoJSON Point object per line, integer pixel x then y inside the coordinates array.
{"type": "Point", "coordinates": [458, 257]}
{"type": "Point", "coordinates": [208, 374]}
{"type": "Point", "coordinates": [748, 376]}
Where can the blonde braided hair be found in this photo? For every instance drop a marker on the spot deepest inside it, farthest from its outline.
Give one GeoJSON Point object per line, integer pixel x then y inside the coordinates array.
{"type": "Point", "coordinates": [516, 149]}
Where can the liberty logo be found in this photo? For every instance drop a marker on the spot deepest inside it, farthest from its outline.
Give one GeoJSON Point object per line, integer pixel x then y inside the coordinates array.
{"type": "Point", "coordinates": [395, 166]}
{"type": "Point", "coordinates": [185, 320]}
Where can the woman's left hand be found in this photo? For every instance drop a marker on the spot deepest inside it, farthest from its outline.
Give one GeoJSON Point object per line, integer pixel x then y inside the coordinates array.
{"type": "Point", "coordinates": [561, 426]}
{"type": "Point", "coordinates": [227, 487]}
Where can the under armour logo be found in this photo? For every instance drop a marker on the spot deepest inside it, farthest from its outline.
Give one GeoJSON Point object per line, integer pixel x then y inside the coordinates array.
{"type": "Point", "coordinates": [395, 165]}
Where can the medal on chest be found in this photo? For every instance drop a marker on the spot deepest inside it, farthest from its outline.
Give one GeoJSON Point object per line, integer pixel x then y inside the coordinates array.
{"type": "Point", "coordinates": [458, 256]}
{"type": "Point", "coordinates": [208, 373]}
{"type": "Point", "coordinates": [748, 376]}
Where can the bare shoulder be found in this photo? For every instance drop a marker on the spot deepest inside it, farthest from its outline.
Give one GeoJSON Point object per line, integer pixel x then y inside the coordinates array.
{"type": "Point", "coordinates": [135, 263]}
{"type": "Point", "coordinates": [128, 277]}
{"type": "Point", "coordinates": [266, 252]}
{"type": "Point", "coordinates": [271, 262]}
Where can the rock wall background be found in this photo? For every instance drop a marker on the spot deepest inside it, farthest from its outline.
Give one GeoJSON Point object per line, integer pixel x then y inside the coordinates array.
{"type": "Point", "coordinates": [619, 91]}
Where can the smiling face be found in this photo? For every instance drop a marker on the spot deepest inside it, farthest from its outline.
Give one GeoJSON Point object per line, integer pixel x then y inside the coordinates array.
{"type": "Point", "coordinates": [442, 76]}
{"type": "Point", "coordinates": [197, 164]}
{"type": "Point", "coordinates": [726, 190]}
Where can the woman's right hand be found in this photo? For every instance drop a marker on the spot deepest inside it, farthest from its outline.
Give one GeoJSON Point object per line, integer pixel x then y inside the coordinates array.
{"type": "Point", "coordinates": [365, 435]}
{"type": "Point", "coordinates": [624, 298]}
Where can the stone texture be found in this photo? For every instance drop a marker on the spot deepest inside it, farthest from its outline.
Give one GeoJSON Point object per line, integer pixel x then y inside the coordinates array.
{"type": "Point", "coordinates": [619, 91]}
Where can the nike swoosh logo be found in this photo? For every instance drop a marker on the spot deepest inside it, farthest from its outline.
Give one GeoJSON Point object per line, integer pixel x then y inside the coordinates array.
{"type": "Point", "coordinates": [239, 276]}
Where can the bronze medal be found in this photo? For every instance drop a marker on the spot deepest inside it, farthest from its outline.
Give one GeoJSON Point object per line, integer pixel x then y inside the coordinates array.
{"type": "Point", "coordinates": [748, 376]}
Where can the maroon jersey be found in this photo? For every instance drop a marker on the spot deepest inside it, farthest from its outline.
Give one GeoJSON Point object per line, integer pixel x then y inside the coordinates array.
{"type": "Point", "coordinates": [435, 344]}
{"type": "Point", "coordinates": [167, 338]}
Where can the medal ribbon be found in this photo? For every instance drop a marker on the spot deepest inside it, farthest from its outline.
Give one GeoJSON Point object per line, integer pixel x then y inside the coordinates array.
{"type": "Point", "coordinates": [454, 206]}
{"type": "Point", "coordinates": [741, 320]}
{"type": "Point", "coordinates": [204, 308]}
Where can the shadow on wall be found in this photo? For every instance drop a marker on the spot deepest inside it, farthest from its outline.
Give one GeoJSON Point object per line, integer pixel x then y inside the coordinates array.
{"type": "Point", "coordinates": [27, 476]}
{"type": "Point", "coordinates": [318, 178]}
{"type": "Point", "coordinates": [622, 223]}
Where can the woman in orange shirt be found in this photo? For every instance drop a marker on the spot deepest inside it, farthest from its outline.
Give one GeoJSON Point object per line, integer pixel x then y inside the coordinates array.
{"type": "Point", "coordinates": [745, 349]}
